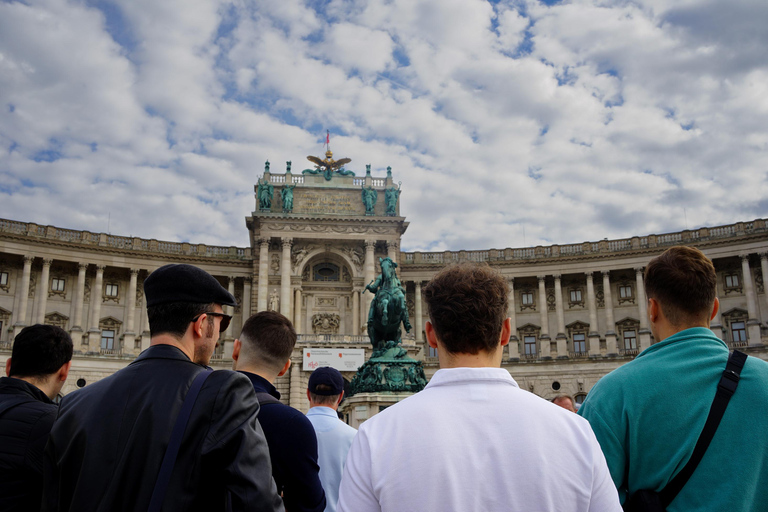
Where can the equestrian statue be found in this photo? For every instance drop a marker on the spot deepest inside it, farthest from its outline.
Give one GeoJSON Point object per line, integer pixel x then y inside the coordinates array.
{"type": "Point", "coordinates": [388, 308]}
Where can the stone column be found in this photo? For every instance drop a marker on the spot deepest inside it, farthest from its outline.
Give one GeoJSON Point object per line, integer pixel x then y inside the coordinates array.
{"type": "Point", "coordinates": [79, 295]}
{"type": "Point", "coordinates": [764, 270]}
{"type": "Point", "coordinates": [42, 287]}
{"type": "Point", "coordinates": [544, 315]}
{"type": "Point", "coordinates": [356, 312]}
{"type": "Point", "coordinates": [753, 324]}
{"type": "Point", "coordinates": [261, 302]}
{"type": "Point", "coordinates": [297, 312]}
{"type": "Point", "coordinates": [369, 274]}
{"type": "Point", "coordinates": [94, 333]}
{"type": "Point", "coordinates": [644, 335]}
{"type": "Point", "coordinates": [230, 310]}
{"type": "Point", "coordinates": [611, 344]}
{"type": "Point", "coordinates": [392, 250]}
{"type": "Point", "coordinates": [129, 337]}
{"type": "Point", "coordinates": [417, 311]}
{"type": "Point", "coordinates": [594, 335]}
{"type": "Point", "coordinates": [285, 278]}
{"type": "Point", "coordinates": [21, 319]}
{"type": "Point", "coordinates": [295, 385]}
{"type": "Point", "coordinates": [245, 307]}
{"type": "Point", "coordinates": [514, 341]}
{"type": "Point", "coordinates": [561, 338]}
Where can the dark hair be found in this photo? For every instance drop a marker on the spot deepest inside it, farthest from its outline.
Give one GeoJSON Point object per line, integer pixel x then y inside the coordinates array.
{"type": "Point", "coordinates": [40, 350]}
{"type": "Point", "coordinates": [174, 317]}
{"type": "Point", "coordinates": [684, 282]}
{"type": "Point", "coordinates": [467, 305]}
{"type": "Point", "coordinates": [324, 399]}
{"type": "Point", "coordinates": [270, 338]}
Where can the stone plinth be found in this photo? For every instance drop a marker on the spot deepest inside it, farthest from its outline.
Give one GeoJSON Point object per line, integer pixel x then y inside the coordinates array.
{"type": "Point", "coordinates": [362, 406]}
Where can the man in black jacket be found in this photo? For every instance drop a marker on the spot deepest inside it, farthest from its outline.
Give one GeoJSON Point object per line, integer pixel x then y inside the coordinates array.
{"type": "Point", "coordinates": [263, 353]}
{"type": "Point", "coordinates": [36, 370]}
{"type": "Point", "coordinates": [108, 443]}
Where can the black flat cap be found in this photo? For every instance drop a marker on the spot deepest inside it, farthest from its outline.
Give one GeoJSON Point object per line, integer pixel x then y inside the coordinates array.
{"type": "Point", "coordinates": [328, 376]}
{"type": "Point", "coordinates": [185, 283]}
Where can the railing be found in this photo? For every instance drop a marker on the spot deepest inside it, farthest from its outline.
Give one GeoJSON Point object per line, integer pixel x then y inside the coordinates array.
{"type": "Point", "coordinates": [578, 355]}
{"type": "Point", "coordinates": [358, 181]}
{"type": "Point", "coordinates": [606, 246]}
{"type": "Point", "coordinates": [277, 178]}
{"type": "Point", "coordinates": [5, 345]}
{"type": "Point", "coordinates": [378, 182]}
{"type": "Point", "coordinates": [529, 357]}
{"type": "Point", "coordinates": [333, 338]}
{"type": "Point", "coordinates": [213, 250]}
{"type": "Point", "coordinates": [737, 344]}
{"type": "Point", "coordinates": [628, 351]}
{"type": "Point", "coordinates": [110, 351]}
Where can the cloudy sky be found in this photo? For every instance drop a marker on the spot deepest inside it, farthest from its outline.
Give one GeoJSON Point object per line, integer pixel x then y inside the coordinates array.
{"type": "Point", "coordinates": [509, 123]}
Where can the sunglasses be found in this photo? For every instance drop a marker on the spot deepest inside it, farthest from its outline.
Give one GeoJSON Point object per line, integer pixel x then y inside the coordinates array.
{"type": "Point", "coordinates": [225, 319]}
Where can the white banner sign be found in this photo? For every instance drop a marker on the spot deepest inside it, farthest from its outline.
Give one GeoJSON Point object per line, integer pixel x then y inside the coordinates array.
{"type": "Point", "coordinates": [343, 359]}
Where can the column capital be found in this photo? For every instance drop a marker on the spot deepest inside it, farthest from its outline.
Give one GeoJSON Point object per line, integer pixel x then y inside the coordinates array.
{"type": "Point", "coordinates": [764, 255]}
{"type": "Point", "coordinates": [82, 266]}
{"type": "Point", "coordinates": [263, 242]}
{"type": "Point", "coordinates": [100, 268]}
{"type": "Point", "coordinates": [370, 244]}
{"type": "Point", "coordinates": [541, 278]}
{"type": "Point", "coordinates": [639, 270]}
{"type": "Point", "coordinates": [231, 279]}
{"type": "Point", "coordinates": [607, 273]}
{"type": "Point", "coordinates": [28, 259]}
{"type": "Point", "coordinates": [47, 262]}
{"type": "Point", "coordinates": [744, 257]}
{"type": "Point", "coordinates": [135, 271]}
{"type": "Point", "coordinates": [286, 241]}
{"type": "Point", "coordinates": [392, 243]}
{"type": "Point", "coordinates": [589, 274]}
{"type": "Point", "coordinates": [557, 276]}
{"type": "Point", "coordinates": [417, 284]}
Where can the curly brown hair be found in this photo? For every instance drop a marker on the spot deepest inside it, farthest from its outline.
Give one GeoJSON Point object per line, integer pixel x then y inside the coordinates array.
{"type": "Point", "coordinates": [467, 305]}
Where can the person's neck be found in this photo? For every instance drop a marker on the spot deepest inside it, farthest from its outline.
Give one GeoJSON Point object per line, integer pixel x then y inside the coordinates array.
{"type": "Point", "coordinates": [665, 330]}
{"type": "Point", "coordinates": [185, 345]}
{"type": "Point", "coordinates": [269, 376]}
{"type": "Point", "coordinates": [47, 386]}
{"type": "Point", "coordinates": [482, 359]}
{"type": "Point", "coordinates": [332, 407]}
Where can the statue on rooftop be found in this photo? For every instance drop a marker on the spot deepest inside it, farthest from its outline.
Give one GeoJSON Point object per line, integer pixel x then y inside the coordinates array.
{"type": "Point", "coordinates": [369, 199]}
{"type": "Point", "coordinates": [265, 192]}
{"type": "Point", "coordinates": [287, 194]}
{"type": "Point", "coordinates": [328, 166]}
{"type": "Point", "coordinates": [390, 199]}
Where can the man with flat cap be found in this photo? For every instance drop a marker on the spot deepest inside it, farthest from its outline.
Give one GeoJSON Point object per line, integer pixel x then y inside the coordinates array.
{"type": "Point", "coordinates": [334, 437]}
{"type": "Point", "coordinates": [112, 437]}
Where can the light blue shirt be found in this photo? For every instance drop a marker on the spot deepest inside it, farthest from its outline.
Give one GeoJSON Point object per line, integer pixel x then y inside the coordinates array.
{"type": "Point", "coordinates": [334, 437]}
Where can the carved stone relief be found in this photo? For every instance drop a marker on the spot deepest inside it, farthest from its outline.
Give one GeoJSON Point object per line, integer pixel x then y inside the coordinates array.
{"type": "Point", "coordinates": [56, 319]}
{"type": "Point", "coordinates": [274, 301]}
{"type": "Point", "coordinates": [274, 266]}
{"type": "Point", "coordinates": [551, 300]}
{"type": "Point", "coordinates": [32, 286]}
{"type": "Point", "coordinates": [87, 292]}
{"type": "Point", "coordinates": [326, 323]}
{"type": "Point", "coordinates": [345, 275]}
{"type": "Point", "coordinates": [326, 302]}
{"type": "Point", "coordinates": [355, 254]}
{"type": "Point", "coordinates": [298, 254]}
{"type": "Point", "coordinates": [600, 296]}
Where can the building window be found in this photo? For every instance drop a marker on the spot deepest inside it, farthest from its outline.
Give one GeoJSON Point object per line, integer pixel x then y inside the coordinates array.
{"type": "Point", "coordinates": [107, 339]}
{"type": "Point", "coordinates": [57, 284]}
{"type": "Point", "coordinates": [625, 291]}
{"type": "Point", "coordinates": [731, 281]}
{"type": "Point", "coordinates": [530, 345]}
{"type": "Point", "coordinates": [738, 332]}
{"type": "Point", "coordinates": [630, 339]}
{"type": "Point", "coordinates": [576, 296]}
{"type": "Point", "coordinates": [111, 290]}
{"type": "Point", "coordinates": [326, 272]}
{"type": "Point", "coordinates": [579, 343]}
{"type": "Point", "coordinates": [3, 278]}
{"type": "Point", "coordinates": [527, 298]}
{"type": "Point", "coordinates": [579, 398]}
{"type": "Point", "coordinates": [432, 352]}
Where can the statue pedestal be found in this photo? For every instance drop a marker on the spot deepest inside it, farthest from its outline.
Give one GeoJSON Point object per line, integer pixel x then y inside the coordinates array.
{"type": "Point", "coordinates": [358, 408]}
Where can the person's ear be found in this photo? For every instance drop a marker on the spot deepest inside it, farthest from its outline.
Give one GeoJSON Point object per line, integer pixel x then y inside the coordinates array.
{"type": "Point", "coordinates": [308, 398]}
{"type": "Point", "coordinates": [506, 331]}
{"type": "Point", "coordinates": [341, 397]}
{"type": "Point", "coordinates": [63, 372]}
{"type": "Point", "coordinates": [429, 330]}
{"type": "Point", "coordinates": [236, 349]}
{"type": "Point", "coordinates": [715, 309]}
{"type": "Point", "coordinates": [198, 326]}
{"type": "Point", "coordinates": [653, 310]}
{"type": "Point", "coordinates": [8, 367]}
{"type": "Point", "coordinates": [285, 368]}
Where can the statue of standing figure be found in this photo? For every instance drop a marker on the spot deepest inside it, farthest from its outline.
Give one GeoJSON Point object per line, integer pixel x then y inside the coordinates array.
{"type": "Point", "coordinates": [390, 198]}
{"type": "Point", "coordinates": [287, 195]}
{"type": "Point", "coordinates": [369, 199]}
{"type": "Point", "coordinates": [265, 191]}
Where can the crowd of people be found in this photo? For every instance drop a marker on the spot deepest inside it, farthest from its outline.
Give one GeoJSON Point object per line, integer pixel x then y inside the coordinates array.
{"type": "Point", "coordinates": [681, 427]}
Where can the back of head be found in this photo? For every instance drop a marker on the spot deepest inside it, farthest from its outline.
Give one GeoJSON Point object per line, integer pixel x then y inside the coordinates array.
{"type": "Point", "coordinates": [267, 340]}
{"type": "Point", "coordinates": [325, 386]}
{"type": "Point", "coordinates": [684, 283]}
{"type": "Point", "coordinates": [39, 351]}
{"type": "Point", "coordinates": [177, 293]}
{"type": "Point", "coordinates": [467, 306]}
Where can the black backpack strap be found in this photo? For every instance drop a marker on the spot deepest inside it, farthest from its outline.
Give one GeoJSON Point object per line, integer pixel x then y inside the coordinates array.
{"type": "Point", "coordinates": [725, 389]}
{"type": "Point", "coordinates": [169, 460]}
{"type": "Point", "coordinates": [265, 398]}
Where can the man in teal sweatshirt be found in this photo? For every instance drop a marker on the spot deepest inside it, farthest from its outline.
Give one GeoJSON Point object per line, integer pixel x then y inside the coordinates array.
{"type": "Point", "coordinates": [648, 414]}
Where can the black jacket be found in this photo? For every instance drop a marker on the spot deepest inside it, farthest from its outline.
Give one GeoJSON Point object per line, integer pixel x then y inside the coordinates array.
{"type": "Point", "coordinates": [107, 445]}
{"type": "Point", "coordinates": [24, 429]}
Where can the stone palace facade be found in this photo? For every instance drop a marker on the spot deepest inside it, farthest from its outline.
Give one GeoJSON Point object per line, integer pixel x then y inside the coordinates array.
{"type": "Point", "coordinates": [578, 310]}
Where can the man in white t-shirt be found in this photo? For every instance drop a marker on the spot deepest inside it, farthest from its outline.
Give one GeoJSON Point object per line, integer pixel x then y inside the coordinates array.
{"type": "Point", "coordinates": [472, 440]}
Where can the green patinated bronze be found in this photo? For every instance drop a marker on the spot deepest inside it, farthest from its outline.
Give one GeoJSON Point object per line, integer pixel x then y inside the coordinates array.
{"type": "Point", "coordinates": [389, 368]}
{"type": "Point", "coordinates": [328, 167]}
{"type": "Point", "coordinates": [287, 195]}
{"type": "Point", "coordinates": [369, 199]}
{"type": "Point", "coordinates": [390, 199]}
{"type": "Point", "coordinates": [265, 192]}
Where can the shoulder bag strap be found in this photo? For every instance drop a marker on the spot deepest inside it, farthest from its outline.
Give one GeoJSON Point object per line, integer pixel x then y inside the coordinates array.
{"type": "Point", "coordinates": [265, 398]}
{"type": "Point", "coordinates": [725, 389]}
{"type": "Point", "coordinates": [169, 460]}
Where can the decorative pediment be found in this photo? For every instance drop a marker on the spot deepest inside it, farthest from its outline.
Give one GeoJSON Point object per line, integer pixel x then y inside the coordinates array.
{"type": "Point", "coordinates": [734, 313]}
{"type": "Point", "coordinates": [57, 319]}
{"type": "Point", "coordinates": [628, 323]}
{"type": "Point", "coordinates": [577, 326]}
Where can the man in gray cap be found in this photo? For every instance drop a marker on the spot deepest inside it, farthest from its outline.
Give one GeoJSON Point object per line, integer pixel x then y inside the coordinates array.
{"type": "Point", "coordinates": [334, 437]}
{"type": "Point", "coordinates": [112, 437]}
